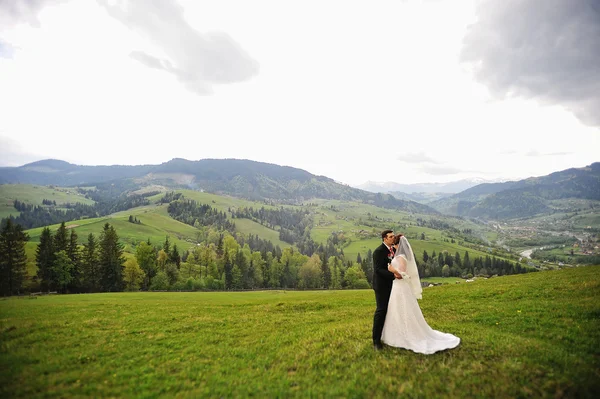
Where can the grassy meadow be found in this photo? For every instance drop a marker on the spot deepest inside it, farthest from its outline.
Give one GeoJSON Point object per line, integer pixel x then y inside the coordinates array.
{"type": "Point", "coordinates": [533, 335]}
{"type": "Point", "coordinates": [360, 223]}
{"type": "Point", "coordinates": [34, 194]}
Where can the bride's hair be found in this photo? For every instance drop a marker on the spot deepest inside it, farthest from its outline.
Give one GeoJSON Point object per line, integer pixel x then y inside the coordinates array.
{"type": "Point", "coordinates": [397, 238]}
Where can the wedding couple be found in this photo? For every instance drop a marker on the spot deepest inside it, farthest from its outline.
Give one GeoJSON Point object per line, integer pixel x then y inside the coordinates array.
{"type": "Point", "coordinates": [398, 320]}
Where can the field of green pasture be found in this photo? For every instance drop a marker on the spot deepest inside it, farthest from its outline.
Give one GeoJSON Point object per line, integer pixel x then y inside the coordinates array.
{"type": "Point", "coordinates": [155, 225]}
{"type": "Point", "coordinates": [33, 194]}
{"type": "Point", "coordinates": [572, 215]}
{"type": "Point", "coordinates": [334, 216]}
{"type": "Point", "coordinates": [443, 280]}
{"type": "Point", "coordinates": [533, 335]}
{"type": "Point", "coordinates": [339, 216]}
{"type": "Point", "coordinates": [361, 223]}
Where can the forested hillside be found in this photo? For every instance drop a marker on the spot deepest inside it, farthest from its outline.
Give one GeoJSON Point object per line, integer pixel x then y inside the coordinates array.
{"type": "Point", "coordinates": [240, 178]}
{"type": "Point", "coordinates": [524, 198]}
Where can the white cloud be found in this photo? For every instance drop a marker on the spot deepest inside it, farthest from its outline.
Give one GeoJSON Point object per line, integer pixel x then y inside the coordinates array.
{"type": "Point", "coordinates": [198, 60]}
{"type": "Point", "coordinates": [349, 90]}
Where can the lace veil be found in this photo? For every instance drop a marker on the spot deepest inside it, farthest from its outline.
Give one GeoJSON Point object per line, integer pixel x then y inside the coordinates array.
{"type": "Point", "coordinates": [405, 250]}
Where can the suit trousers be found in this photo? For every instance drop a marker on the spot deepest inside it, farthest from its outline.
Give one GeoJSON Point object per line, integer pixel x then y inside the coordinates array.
{"type": "Point", "coordinates": [382, 297]}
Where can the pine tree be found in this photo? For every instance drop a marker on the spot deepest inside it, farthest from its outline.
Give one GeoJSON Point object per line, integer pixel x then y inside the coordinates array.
{"type": "Point", "coordinates": [228, 274]}
{"type": "Point", "coordinates": [44, 260]}
{"type": "Point", "coordinates": [75, 256]}
{"type": "Point", "coordinates": [146, 258]}
{"type": "Point", "coordinates": [61, 241]}
{"type": "Point", "coordinates": [457, 260]}
{"type": "Point", "coordinates": [326, 272]}
{"type": "Point", "coordinates": [448, 260]}
{"type": "Point", "coordinates": [220, 247]}
{"type": "Point", "coordinates": [174, 256]}
{"type": "Point", "coordinates": [167, 246]}
{"type": "Point", "coordinates": [63, 268]}
{"type": "Point", "coordinates": [467, 262]}
{"type": "Point", "coordinates": [111, 260]}
{"type": "Point", "coordinates": [335, 275]}
{"type": "Point", "coordinates": [240, 262]}
{"type": "Point", "coordinates": [236, 278]}
{"type": "Point", "coordinates": [91, 265]}
{"type": "Point", "coordinates": [12, 258]}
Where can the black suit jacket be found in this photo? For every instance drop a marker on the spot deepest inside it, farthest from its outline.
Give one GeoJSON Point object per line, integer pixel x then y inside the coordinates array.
{"type": "Point", "coordinates": [382, 277]}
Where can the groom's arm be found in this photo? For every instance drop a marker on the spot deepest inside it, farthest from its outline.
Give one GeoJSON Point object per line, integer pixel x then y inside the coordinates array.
{"type": "Point", "coordinates": [380, 264]}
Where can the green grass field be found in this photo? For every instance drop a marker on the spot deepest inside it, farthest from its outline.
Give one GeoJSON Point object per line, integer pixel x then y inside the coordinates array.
{"type": "Point", "coordinates": [443, 280]}
{"type": "Point", "coordinates": [533, 335]}
{"type": "Point", "coordinates": [155, 225]}
{"type": "Point", "coordinates": [33, 194]}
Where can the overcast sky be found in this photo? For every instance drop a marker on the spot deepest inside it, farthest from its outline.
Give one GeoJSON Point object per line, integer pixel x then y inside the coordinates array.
{"type": "Point", "coordinates": [404, 91]}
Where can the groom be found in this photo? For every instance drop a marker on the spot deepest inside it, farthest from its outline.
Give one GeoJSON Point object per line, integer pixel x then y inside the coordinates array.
{"type": "Point", "coordinates": [382, 283]}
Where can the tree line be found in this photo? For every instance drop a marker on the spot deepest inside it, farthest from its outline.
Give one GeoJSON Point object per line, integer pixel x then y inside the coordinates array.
{"type": "Point", "coordinates": [293, 224]}
{"type": "Point", "coordinates": [194, 214]}
{"type": "Point", "coordinates": [224, 261]}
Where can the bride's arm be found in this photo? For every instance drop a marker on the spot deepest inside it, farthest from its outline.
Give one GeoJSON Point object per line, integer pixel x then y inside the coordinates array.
{"type": "Point", "coordinates": [395, 267]}
{"type": "Point", "coordinates": [402, 264]}
{"type": "Point", "coordinates": [392, 269]}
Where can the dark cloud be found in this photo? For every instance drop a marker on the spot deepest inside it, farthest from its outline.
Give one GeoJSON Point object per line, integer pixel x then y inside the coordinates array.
{"type": "Point", "coordinates": [548, 50]}
{"type": "Point", "coordinates": [198, 60]}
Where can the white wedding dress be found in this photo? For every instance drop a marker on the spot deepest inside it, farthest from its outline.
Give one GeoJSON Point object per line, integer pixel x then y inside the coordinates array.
{"type": "Point", "coordinates": [405, 327]}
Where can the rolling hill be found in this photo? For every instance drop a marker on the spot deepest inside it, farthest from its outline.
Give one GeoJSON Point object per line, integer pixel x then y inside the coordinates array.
{"type": "Point", "coordinates": [524, 198]}
{"type": "Point", "coordinates": [236, 177]}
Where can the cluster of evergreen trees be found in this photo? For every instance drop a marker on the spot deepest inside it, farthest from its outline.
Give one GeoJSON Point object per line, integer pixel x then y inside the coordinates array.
{"type": "Point", "coordinates": [228, 264]}
{"type": "Point", "coordinates": [66, 267]}
{"type": "Point", "coordinates": [446, 265]}
{"type": "Point", "coordinates": [293, 224]}
{"type": "Point", "coordinates": [13, 260]}
{"type": "Point", "coordinates": [293, 221]}
{"type": "Point", "coordinates": [194, 214]}
{"type": "Point", "coordinates": [22, 206]}
{"type": "Point", "coordinates": [223, 262]}
{"type": "Point", "coordinates": [37, 215]}
{"type": "Point", "coordinates": [134, 220]}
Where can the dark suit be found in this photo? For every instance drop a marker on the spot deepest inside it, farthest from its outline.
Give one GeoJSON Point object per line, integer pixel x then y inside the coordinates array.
{"type": "Point", "coordinates": [382, 284]}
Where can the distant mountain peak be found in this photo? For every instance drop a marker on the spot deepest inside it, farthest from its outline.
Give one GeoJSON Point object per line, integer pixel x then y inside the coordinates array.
{"type": "Point", "coordinates": [449, 188]}
{"type": "Point", "coordinates": [51, 163]}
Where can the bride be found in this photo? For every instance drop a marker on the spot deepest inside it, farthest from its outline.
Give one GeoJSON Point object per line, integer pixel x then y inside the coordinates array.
{"type": "Point", "coordinates": [405, 327]}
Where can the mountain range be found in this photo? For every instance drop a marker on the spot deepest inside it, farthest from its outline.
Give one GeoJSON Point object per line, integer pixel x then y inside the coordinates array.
{"type": "Point", "coordinates": [236, 177]}
{"type": "Point", "coordinates": [284, 184]}
{"type": "Point", "coordinates": [423, 188]}
{"type": "Point", "coordinates": [523, 198]}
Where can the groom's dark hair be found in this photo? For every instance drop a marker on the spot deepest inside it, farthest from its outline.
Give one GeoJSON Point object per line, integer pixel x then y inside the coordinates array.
{"type": "Point", "coordinates": [384, 233]}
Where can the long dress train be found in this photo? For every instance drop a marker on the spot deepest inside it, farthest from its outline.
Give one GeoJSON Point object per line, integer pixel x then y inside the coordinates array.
{"type": "Point", "coordinates": [405, 327]}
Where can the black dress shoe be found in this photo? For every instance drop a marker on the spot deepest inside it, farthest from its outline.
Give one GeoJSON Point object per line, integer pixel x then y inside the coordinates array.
{"type": "Point", "coordinates": [377, 346]}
